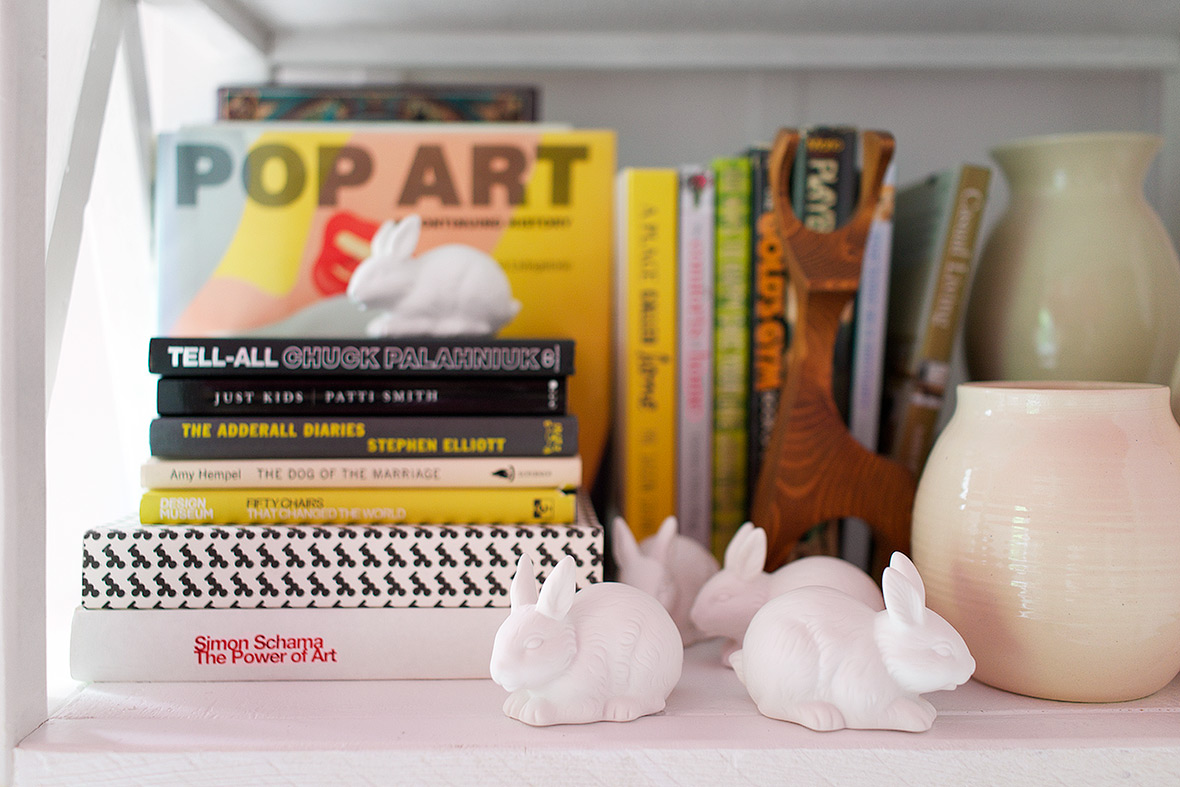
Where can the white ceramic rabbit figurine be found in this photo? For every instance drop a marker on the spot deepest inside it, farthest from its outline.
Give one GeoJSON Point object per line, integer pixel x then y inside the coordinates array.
{"type": "Point", "coordinates": [728, 601]}
{"type": "Point", "coordinates": [818, 657]}
{"type": "Point", "coordinates": [451, 290]}
{"type": "Point", "coordinates": [608, 652]}
{"type": "Point", "coordinates": [667, 565]}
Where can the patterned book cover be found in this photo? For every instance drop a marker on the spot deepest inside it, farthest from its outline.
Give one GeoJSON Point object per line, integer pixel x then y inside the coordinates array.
{"type": "Point", "coordinates": [134, 566]}
{"type": "Point", "coordinates": [401, 101]}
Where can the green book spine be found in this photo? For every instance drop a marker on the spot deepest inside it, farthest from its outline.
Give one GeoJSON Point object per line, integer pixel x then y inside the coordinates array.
{"type": "Point", "coordinates": [731, 342]}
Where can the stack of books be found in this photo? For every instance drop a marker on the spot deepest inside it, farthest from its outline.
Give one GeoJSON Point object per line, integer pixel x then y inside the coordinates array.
{"type": "Point", "coordinates": [351, 508]}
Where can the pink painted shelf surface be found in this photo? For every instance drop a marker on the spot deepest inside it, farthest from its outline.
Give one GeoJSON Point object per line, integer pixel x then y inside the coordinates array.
{"type": "Point", "coordinates": [453, 732]}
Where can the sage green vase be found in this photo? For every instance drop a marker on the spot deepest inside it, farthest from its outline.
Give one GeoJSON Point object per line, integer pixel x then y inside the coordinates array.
{"type": "Point", "coordinates": [1078, 280]}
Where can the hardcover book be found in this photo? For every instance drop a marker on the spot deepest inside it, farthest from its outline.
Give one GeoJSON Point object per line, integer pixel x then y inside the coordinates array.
{"type": "Point", "coordinates": [260, 225]}
{"type": "Point", "coordinates": [179, 437]}
{"type": "Point", "coordinates": [365, 505]}
{"type": "Point", "coordinates": [868, 353]}
{"type": "Point", "coordinates": [560, 472]}
{"type": "Point", "coordinates": [356, 356]}
{"type": "Point", "coordinates": [731, 344]}
{"type": "Point", "coordinates": [359, 643]}
{"type": "Point", "coordinates": [361, 396]}
{"type": "Point", "coordinates": [935, 244]}
{"type": "Point", "coordinates": [133, 566]}
{"type": "Point", "coordinates": [694, 407]}
{"type": "Point", "coordinates": [769, 329]}
{"type": "Point", "coordinates": [826, 182]}
{"type": "Point", "coordinates": [645, 471]}
{"type": "Point", "coordinates": [405, 101]}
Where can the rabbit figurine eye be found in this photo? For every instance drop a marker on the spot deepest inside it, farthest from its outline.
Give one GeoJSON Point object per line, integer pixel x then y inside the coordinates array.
{"type": "Point", "coordinates": [532, 643]}
{"type": "Point", "coordinates": [943, 651]}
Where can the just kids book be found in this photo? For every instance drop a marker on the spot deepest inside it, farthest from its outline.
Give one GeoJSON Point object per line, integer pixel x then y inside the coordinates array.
{"type": "Point", "coordinates": [258, 224]}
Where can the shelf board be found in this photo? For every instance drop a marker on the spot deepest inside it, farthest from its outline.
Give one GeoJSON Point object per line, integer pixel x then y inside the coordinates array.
{"type": "Point", "coordinates": [655, 51]}
{"type": "Point", "coordinates": [762, 34]}
{"type": "Point", "coordinates": [455, 732]}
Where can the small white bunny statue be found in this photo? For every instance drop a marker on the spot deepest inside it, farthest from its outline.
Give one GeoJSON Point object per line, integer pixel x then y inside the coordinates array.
{"type": "Point", "coordinates": [608, 652]}
{"type": "Point", "coordinates": [820, 658]}
{"type": "Point", "coordinates": [667, 565]}
{"type": "Point", "coordinates": [728, 601]}
{"type": "Point", "coordinates": [451, 290]}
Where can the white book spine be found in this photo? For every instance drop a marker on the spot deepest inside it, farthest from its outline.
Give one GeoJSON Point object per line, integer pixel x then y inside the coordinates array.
{"type": "Point", "coordinates": [872, 302]}
{"type": "Point", "coordinates": [868, 359]}
{"type": "Point", "coordinates": [694, 418]}
{"type": "Point", "coordinates": [282, 644]}
{"type": "Point", "coordinates": [564, 472]}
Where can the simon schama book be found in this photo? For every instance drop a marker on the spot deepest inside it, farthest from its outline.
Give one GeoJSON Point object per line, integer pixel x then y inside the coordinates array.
{"type": "Point", "coordinates": [260, 225]}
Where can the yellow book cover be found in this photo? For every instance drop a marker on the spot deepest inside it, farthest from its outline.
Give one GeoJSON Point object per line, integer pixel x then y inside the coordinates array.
{"type": "Point", "coordinates": [224, 506]}
{"type": "Point", "coordinates": [260, 225]}
{"type": "Point", "coordinates": [646, 233]}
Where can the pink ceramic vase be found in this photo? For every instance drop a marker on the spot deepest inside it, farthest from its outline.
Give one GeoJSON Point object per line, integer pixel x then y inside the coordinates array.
{"type": "Point", "coordinates": [1047, 530]}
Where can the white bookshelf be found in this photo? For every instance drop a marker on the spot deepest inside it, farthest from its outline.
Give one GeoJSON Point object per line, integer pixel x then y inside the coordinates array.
{"type": "Point", "coordinates": [679, 82]}
{"type": "Point", "coordinates": [453, 732]}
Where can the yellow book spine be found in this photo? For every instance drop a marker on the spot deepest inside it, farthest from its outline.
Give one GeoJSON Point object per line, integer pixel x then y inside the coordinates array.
{"type": "Point", "coordinates": [357, 506]}
{"type": "Point", "coordinates": [646, 278]}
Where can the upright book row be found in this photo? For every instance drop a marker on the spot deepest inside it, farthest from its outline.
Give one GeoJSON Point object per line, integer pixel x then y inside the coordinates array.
{"type": "Point", "coordinates": [705, 315]}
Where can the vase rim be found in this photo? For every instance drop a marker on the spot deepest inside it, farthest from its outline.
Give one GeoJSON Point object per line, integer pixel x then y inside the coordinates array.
{"type": "Point", "coordinates": [1082, 137]}
{"type": "Point", "coordinates": [1031, 397]}
{"type": "Point", "coordinates": [1070, 386]}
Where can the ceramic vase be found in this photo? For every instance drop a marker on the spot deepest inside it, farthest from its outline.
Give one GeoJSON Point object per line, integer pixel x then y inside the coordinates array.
{"type": "Point", "coordinates": [1047, 529]}
{"type": "Point", "coordinates": [1078, 279]}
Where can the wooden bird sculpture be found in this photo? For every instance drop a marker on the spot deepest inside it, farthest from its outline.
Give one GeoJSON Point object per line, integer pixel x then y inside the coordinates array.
{"type": "Point", "coordinates": [814, 470]}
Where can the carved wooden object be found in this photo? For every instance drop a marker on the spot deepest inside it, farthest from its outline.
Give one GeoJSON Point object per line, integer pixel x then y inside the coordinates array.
{"type": "Point", "coordinates": [814, 470]}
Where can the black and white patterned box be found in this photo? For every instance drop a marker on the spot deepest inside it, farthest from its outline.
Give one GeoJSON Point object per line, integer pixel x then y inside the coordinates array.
{"type": "Point", "coordinates": [133, 566]}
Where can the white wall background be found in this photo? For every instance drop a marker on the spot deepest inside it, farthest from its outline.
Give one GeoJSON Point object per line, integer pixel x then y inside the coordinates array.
{"type": "Point", "coordinates": [103, 397]}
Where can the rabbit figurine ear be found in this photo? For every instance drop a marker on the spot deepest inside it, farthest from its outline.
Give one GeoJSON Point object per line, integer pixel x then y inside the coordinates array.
{"type": "Point", "coordinates": [398, 240]}
{"type": "Point", "coordinates": [745, 554]}
{"type": "Point", "coordinates": [557, 592]}
{"type": "Point", "coordinates": [905, 602]}
{"type": "Point", "coordinates": [661, 542]}
{"type": "Point", "coordinates": [907, 568]}
{"type": "Point", "coordinates": [624, 545]}
{"type": "Point", "coordinates": [524, 585]}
